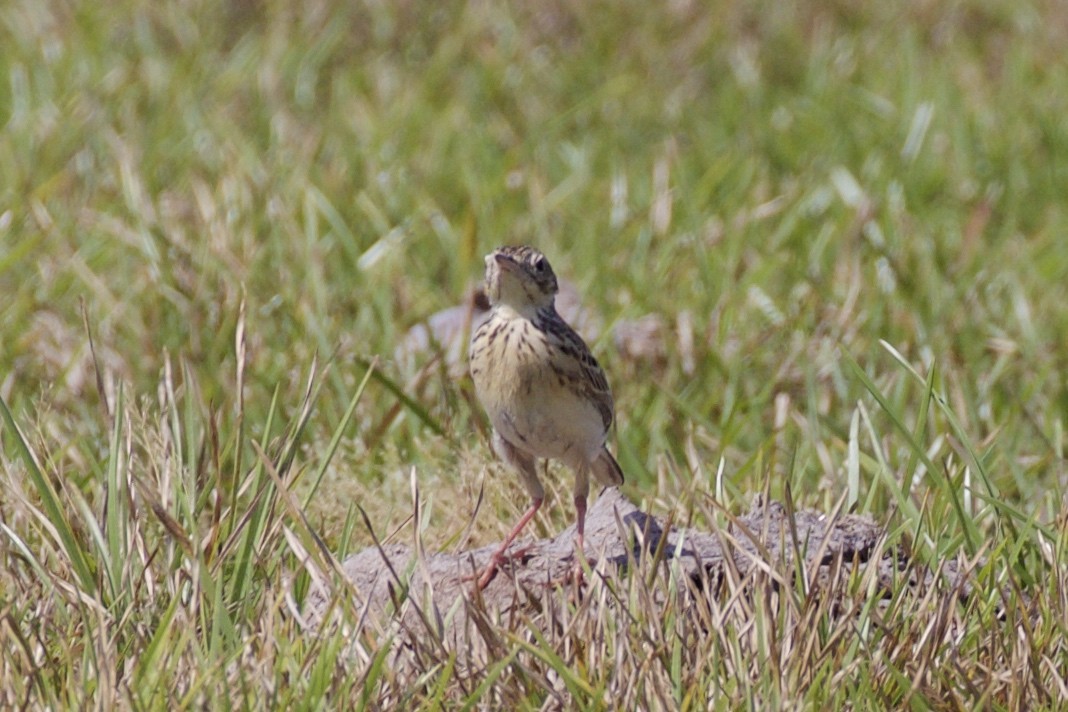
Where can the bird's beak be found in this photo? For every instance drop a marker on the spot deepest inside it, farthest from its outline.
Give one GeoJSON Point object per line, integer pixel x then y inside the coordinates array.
{"type": "Point", "coordinates": [506, 262]}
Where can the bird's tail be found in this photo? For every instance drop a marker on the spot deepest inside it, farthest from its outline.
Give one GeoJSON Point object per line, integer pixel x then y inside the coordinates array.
{"type": "Point", "coordinates": [606, 470]}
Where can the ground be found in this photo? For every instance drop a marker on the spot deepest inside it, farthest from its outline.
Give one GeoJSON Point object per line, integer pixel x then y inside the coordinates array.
{"type": "Point", "coordinates": [819, 252]}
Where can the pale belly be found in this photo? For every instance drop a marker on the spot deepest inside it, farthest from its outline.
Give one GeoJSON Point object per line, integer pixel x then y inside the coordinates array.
{"type": "Point", "coordinates": [531, 409]}
{"type": "Point", "coordinates": [551, 424]}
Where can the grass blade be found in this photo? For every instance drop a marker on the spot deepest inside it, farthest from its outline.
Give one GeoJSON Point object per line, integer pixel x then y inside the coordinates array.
{"type": "Point", "coordinates": [50, 501]}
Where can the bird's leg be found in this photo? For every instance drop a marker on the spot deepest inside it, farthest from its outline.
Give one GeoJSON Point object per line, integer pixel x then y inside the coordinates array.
{"type": "Point", "coordinates": [582, 489]}
{"type": "Point", "coordinates": [580, 524]}
{"type": "Point", "coordinates": [526, 466]}
{"type": "Point", "coordinates": [498, 556]}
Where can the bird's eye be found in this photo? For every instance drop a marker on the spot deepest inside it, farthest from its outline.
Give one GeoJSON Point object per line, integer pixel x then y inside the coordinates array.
{"type": "Point", "coordinates": [539, 264]}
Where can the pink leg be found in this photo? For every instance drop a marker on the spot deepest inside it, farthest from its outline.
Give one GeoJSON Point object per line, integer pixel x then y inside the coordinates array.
{"type": "Point", "coordinates": [580, 524]}
{"type": "Point", "coordinates": [498, 556]}
{"type": "Point", "coordinates": [580, 541]}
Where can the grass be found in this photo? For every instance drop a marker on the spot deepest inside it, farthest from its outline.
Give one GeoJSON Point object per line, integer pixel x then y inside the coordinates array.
{"type": "Point", "coordinates": [856, 213]}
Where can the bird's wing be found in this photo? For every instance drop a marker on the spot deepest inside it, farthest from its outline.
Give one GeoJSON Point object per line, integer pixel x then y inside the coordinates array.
{"type": "Point", "coordinates": [578, 366]}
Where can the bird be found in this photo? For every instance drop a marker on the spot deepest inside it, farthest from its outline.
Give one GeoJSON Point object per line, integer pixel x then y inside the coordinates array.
{"type": "Point", "coordinates": [544, 392]}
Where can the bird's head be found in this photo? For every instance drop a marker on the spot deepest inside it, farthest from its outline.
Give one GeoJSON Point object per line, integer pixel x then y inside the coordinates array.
{"type": "Point", "coordinates": [521, 278]}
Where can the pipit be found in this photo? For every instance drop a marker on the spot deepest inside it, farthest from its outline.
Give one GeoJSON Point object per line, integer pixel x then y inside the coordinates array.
{"type": "Point", "coordinates": [543, 390]}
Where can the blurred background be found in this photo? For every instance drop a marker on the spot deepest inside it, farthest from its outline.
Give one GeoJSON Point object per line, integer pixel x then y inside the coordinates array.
{"type": "Point", "coordinates": [766, 209]}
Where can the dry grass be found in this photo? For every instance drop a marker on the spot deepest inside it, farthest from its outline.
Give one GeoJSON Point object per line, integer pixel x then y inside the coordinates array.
{"type": "Point", "coordinates": [845, 224]}
{"type": "Point", "coordinates": [182, 586]}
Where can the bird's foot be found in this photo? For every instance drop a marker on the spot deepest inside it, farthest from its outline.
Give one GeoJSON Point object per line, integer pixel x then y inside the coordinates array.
{"type": "Point", "coordinates": [576, 575]}
{"type": "Point", "coordinates": [518, 556]}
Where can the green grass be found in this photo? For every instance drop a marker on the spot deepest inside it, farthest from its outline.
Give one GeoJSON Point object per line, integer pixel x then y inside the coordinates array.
{"type": "Point", "coordinates": [859, 210]}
